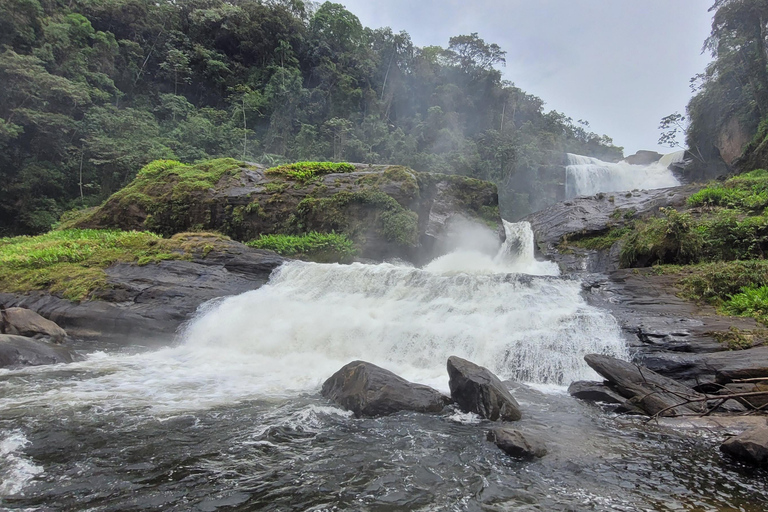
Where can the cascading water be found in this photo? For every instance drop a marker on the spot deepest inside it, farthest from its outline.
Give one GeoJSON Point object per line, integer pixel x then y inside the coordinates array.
{"type": "Point", "coordinates": [585, 176]}
{"type": "Point", "coordinates": [230, 417]}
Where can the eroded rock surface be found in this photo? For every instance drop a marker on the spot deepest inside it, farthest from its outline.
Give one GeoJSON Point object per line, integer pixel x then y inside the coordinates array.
{"type": "Point", "coordinates": [18, 351]}
{"type": "Point", "coordinates": [646, 389]}
{"type": "Point", "coordinates": [151, 301]}
{"type": "Point", "coordinates": [750, 447]}
{"type": "Point", "coordinates": [369, 390]}
{"type": "Point", "coordinates": [476, 389]}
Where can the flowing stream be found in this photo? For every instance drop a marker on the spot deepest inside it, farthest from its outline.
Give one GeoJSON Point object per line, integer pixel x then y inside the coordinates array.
{"type": "Point", "coordinates": [230, 416]}
{"type": "Point", "coordinates": [586, 176]}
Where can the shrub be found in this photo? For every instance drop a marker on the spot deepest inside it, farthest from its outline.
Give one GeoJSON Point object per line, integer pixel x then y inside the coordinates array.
{"type": "Point", "coordinates": [673, 238]}
{"type": "Point", "coordinates": [751, 301]}
{"type": "Point", "coordinates": [322, 247]}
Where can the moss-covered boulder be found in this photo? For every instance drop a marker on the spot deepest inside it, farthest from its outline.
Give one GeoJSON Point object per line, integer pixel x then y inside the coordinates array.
{"type": "Point", "coordinates": [386, 211]}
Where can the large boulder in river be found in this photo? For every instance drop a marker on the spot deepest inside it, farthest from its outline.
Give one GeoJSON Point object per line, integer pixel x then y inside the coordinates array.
{"type": "Point", "coordinates": [25, 322]}
{"type": "Point", "coordinates": [476, 389]}
{"type": "Point", "coordinates": [21, 351]}
{"type": "Point", "coordinates": [388, 211]}
{"type": "Point", "coordinates": [369, 390]}
{"type": "Point", "coordinates": [750, 447]}
{"type": "Point", "coordinates": [646, 389]}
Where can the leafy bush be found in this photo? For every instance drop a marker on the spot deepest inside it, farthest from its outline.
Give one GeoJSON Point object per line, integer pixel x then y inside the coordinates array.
{"type": "Point", "coordinates": [674, 238]}
{"type": "Point", "coordinates": [322, 247]}
{"type": "Point", "coordinates": [752, 301]}
{"type": "Point", "coordinates": [716, 282]}
{"type": "Point", "coordinates": [747, 192]}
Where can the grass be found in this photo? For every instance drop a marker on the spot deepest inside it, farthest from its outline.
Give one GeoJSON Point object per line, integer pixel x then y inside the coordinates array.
{"type": "Point", "coordinates": [70, 263]}
{"type": "Point", "coordinates": [307, 172]}
{"type": "Point", "coordinates": [598, 242]}
{"type": "Point", "coordinates": [322, 247]}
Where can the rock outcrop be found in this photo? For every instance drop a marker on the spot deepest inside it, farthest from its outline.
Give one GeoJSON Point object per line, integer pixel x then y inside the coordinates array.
{"type": "Point", "coordinates": [18, 351]}
{"type": "Point", "coordinates": [750, 447]}
{"type": "Point", "coordinates": [643, 157]}
{"type": "Point", "coordinates": [516, 444]}
{"type": "Point", "coordinates": [651, 392]}
{"type": "Point", "coordinates": [150, 302]}
{"type": "Point", "coordinates": [369, 390]}
{"type": "Point", "coordinates": [25, 322]}
{"type": "Point", "coordinates": [595, 392]}
{"type": "Point", "coordinates": [476, 389]}
{"type": "Point", "coordinates": [389, 211]}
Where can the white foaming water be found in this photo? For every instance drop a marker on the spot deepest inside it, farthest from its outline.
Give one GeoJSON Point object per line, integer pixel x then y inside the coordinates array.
{"type": "Point", "coordinates": [585, 176]}
{"type": "Point", "coordinates": [672, 158]}
{"type": "Point", "coordinates": [15, 470]}
{"type": "Point", "coordinates": [293, 333]}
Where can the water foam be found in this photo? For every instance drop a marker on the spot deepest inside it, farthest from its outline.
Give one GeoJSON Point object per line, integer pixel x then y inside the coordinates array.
{"type": "Point", "coordinates": [15, 470]}
{"type": "Point", "coordinates": [310, 319]}
{"type": "Point", "coordinates": [586, 176]}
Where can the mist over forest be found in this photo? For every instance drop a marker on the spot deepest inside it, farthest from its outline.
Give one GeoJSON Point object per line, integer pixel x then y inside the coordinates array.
{"type": "Point", "coordinates": [94, 90]}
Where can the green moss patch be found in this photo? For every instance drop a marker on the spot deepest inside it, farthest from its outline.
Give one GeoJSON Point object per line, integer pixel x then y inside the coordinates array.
{"type": "Point", "coordinates": [307, 172]}
{"type": "Point", "coordinates": [314, 246]}
{"type": "Point", "coordinates": [70, 263]}
{"type": "Point", "coordinates": [597, 241]}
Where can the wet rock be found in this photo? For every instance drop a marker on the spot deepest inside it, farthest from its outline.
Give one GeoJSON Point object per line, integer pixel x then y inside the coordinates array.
{"type": "Point", "coordinates": [369, 390]}
{"type": "Point", "coordinates": [754, 401]}
{"type": "Point", "coordinates": [475, 389]}
{"type": "Point", "coordinates": [150, 302]}
{"type": "Point", "coordinates": [750, 447]}
{"type": "Point", "coordinates": [593, 215]}
{"type": "Point", "coordinates": [18, 351]}
{"type": "Point", "coordinates": [653, 393]}
{"type": "Point", "coordinates": [516, 444]}
{"type": "Point", "coordinates": [594, 392]}
{"type": "Point", "coordinates": [25, 322]}
{"type": "Point", "coordinates": [713, 369]}
{"type": "Point", "coordinates": [643, 157]}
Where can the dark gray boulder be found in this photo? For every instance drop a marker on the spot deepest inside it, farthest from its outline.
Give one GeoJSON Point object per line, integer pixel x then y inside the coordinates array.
{"type": "Point", "coordinates": [750, 447]}
{"type": "Point", "coordinates": [594, 392]}
{"type": "Point", "coordinates": [18, 351]}
{"type": "Point", "coordinates": [369, 390]}
{"type": "Point", "coordinates": [653, 393]}
{"type": "Point", "coordinates": [516, 444]}
{"type": "Point", "coordinates": [476, 389]}
{"type": "Point", "coordinates": [25, 322]}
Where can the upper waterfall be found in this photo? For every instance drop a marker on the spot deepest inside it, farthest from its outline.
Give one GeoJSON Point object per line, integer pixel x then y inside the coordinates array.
{"type": "Point", "coordinates": [586, 176]}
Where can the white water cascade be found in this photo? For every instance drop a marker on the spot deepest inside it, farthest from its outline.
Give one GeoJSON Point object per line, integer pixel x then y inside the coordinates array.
{"type": "Point", "coordinates": [585, 176]}
{"type": "Point", "coordinates": [310, 319]}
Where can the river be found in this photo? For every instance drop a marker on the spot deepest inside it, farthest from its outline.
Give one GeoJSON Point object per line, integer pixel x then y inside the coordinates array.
{"type": "Point", "coordinates": [229, 417]}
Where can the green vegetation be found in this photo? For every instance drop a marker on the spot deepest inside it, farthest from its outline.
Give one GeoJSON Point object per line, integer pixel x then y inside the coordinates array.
{"type": "Point", "coordinates": [751, 301]}
{"type": "Point", "coordinates": [330, 214]}
{"type": "Point", "coordinates": [95, 90]}
{"type": "Point", "coordinates": [307, 172]}
{"type": "Point", "coordinates": [597, 242]}
{"type": "Point", "coordinates": [321, 247]}
{"type": "Point", "coordinates": [740, 339]}
{"type": "Point", "coordinates": [162, 197]}
{"type": "Point", "coordinates": [672, 238]}
{"type": "Point", "coordinates": [747, 192]}
{"type": "Point", "coordinates": [70, 263]}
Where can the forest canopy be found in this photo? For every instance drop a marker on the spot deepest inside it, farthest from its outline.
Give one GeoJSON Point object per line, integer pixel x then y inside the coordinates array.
{"type": "Point", "coordinates": [95, 89]}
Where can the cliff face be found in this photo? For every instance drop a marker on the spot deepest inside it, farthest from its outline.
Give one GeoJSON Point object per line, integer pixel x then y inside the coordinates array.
{"type": "Point", "coordinates": [388, 211]}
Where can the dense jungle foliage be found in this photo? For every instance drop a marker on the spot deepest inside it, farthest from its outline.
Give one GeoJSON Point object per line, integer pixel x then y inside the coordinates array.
{"type": "Point", "coordinates": [95, 89]}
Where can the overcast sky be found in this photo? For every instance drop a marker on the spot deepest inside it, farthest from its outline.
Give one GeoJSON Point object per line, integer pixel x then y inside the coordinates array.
{"type": "Point", "coordinates": [620, 64]}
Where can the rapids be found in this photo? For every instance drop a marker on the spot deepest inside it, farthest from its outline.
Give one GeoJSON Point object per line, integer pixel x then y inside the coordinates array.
{"type": "Point", "coordinates": [586, 176]}
{"type": "Point", "coordinates": [230, 418]}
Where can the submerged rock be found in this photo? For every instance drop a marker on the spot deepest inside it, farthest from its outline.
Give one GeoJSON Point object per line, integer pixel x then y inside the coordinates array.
{"type": "Point", "coordinates": [750, 447]}
{"type": "Point", "coordinates": [25, 322]}
{"type": "Point", "coordinates": [476, 389]}
{"type": "Point", "coordinates": [369, 390]}
{"type": "Point", "coordinates": [594, 392]}
{"type": "Point", "coordinates": [516, 444]}
{"type": "Point", "coordinates": [22, 351]}
{"type": "Point", "coordinates": [653, 393]}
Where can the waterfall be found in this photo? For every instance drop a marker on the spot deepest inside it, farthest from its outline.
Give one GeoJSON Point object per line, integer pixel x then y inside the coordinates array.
{"type": "Point", "coordinates": [586, 176]}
